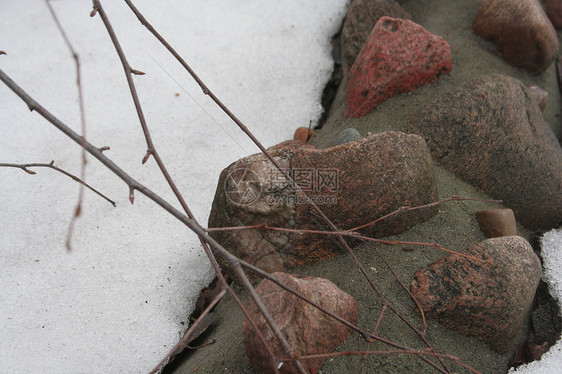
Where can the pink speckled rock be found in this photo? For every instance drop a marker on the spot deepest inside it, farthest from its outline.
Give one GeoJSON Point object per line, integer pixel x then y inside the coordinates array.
{"type": "Point", "coordinates": [398, 57]}
{"type": "Point", "coordinates": [308, 330]}
{"type": "Point", "coordinates": [488, 299]}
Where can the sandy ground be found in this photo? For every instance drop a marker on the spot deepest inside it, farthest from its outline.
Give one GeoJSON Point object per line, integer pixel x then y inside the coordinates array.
{"type": "Point", "coordinates": [454, 227]}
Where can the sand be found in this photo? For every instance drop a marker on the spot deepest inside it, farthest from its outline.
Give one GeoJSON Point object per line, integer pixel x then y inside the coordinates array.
{"type": "Point", "coordinates": [454, 227]}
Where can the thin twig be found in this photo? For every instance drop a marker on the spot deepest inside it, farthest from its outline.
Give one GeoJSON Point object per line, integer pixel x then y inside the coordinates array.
{"type": "Point", "coordinates": [454, 359]}
{"type": "Point", "coordinates": [51, 165]}
{"type": "Point", "coordinates": [364, 358]}
{"type": "Point", "coordinates": [430, 205]}
{"type": "Point", "coordinates": [351, 234]}
{"type": "Point", "coordinates": [78, 208]}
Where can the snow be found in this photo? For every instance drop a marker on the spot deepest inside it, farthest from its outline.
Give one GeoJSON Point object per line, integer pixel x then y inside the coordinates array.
{"type": "Point", "coordinates": [551, 252]}
{"type": "Point", "coordinates": [121, 298]}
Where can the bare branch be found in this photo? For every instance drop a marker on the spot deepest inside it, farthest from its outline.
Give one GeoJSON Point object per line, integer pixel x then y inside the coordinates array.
{"type": "Point", "coordinates": [454, 359]}
{"type": "Point", "coordinates": [51, 165]}
{"type": "Point", "coordinates": [430, 205]}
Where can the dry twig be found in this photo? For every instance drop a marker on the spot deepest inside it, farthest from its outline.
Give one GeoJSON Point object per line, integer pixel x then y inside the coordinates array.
{"type": "Point", "coordinates": [51, 165]}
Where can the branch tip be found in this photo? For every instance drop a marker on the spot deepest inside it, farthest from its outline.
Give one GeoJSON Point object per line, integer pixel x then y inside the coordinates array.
{"type": "Point", "coordinates": [146, 156]}
{"type": "Point", "coordinates": [137, 72]}
{"type": "Point", "coordinates": [132, 195]}
{"type": "Point", "coordinates": [104, 148]}
{"type": "Point", "coordinates": [94, 12]}
{"type": "Point", "coordinates": [3, 53]}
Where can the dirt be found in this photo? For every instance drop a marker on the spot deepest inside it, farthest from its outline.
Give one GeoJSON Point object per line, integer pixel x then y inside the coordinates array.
{"type": "Point", "coordinates": [454, 227]}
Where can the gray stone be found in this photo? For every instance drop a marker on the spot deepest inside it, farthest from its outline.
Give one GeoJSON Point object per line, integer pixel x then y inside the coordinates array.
{"type": "Point", "coordinates": [348, 135]}
{"type": "Point", "coordinates": [491, 133]}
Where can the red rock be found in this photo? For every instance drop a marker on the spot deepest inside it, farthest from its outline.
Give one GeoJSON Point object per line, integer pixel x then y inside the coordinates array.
{"type": "Point", "coordinates": [398, 57]}
{"type": "Point", "coordinates": [389, 170]}
{"type": "Point", "coordinates": [488, 299]}
{"type": "Point", "coordinates": [554, 12]}
{"type": "Point", "coordinates": [497, 222]}
{"type": "Point", "coordinates": [521, 32]}
{"type": "Point", "coordinates": [362, 15]}
{"type": "Point", "coordinates": [307, 330]}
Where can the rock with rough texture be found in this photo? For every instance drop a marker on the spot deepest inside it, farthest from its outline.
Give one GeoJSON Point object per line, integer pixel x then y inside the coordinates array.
{"type": "Point", "coordinates": [521, 31]}
{"type": "Point", "coordinates": [491, 133]}
{"type": "Point", "coordinates": [554, 12]}
{"type": "Point", "coordinates": [307, 329]}
{"type": "Point", "coordinates": [353, 184]}
{"type": "Point", "coordinates": [489, 298]}
{"type": "Point", "coordinates": [362, 15]}
{"type": "Point", "coordinates": [348, 135]}
{"type": "Point", "coordinates": [497, 222]}
{"type": "Point", "coordinates": [398, 57]}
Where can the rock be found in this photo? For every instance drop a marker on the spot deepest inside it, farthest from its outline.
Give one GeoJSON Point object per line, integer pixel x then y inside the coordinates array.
{"type": "Point", "coordinates": [489, 299]}
{"type": "Point", "coordinates": [348, 135]}
{"type": "Point", "coordinates": [540, 96]}
{"type": "Point", "coordinates": [398, 57]}
{"type": "Point", "coordinates": [554, 12]}
{"type": "Point", "coordinates": [497, 222]}
{"type": "Point", "coordinates": [304, 134]}
{"type": "Point", "coordinates": [521, 32]}
{"type": "Point", "coordinates": [353, 183]}
{"type": "Point", "coordinates": [491, 133]}
{"type": "Point", "coordinates": [362, 15]}
{"type": "Point", "coordinates": [307, 329]}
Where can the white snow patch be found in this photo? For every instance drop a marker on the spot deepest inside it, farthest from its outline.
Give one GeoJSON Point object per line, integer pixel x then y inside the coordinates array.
{"type": "Point", "coordinates": [120, 300]}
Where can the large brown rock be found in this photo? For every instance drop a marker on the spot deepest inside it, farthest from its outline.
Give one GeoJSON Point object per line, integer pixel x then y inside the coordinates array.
{"type": "Point", "coordinates": [307, 329]}
{"type": "Point", "coordinates": [362, 15]}
{"type": "Point", "coordinates": [353, 183]}
{"type": "Point", "coordinates": [488, 299]}
{"type": "Point", "coordinates": [521, 31]}
{"type": "Point", "coordinates": [398, 57]}
{"type": "Point", "coordinates": [491, 133]}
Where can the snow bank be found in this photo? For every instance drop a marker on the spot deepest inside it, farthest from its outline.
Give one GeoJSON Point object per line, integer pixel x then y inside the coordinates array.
{"type": "Point", "coordinates": [120, 300]}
